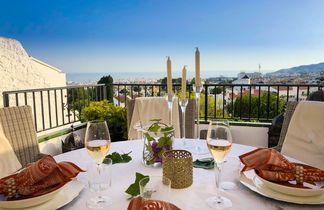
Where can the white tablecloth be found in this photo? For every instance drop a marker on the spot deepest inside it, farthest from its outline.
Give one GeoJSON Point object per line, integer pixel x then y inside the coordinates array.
{"type": "Point", "coordinates": [193, 197]}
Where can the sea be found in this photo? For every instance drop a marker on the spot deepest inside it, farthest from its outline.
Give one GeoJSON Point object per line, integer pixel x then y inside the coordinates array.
{"type": "Point", "coordinates": [92, 77]}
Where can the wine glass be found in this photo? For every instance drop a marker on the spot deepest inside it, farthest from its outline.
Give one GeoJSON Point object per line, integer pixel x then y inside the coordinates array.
{"type": "Point", "coordinates": [198, 88]}
{"type": "Point", "coordinates": [232, 168]}
{"type": "Point", "coordinates": [155, 188]}
{"type": "Point", "coordinates": [183, 102]}
{"type": "Point", "coordinates": [139, 128]}
{"type": "Point", "coordinates": [219, 142]}
{"type": "Point", "coordinates": [97, 143]}
{"type": "Point", "coordinates": [98, 182]}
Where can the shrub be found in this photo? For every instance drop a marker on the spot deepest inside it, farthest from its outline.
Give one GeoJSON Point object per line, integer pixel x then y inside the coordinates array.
{"type": "Point", "coordinates": [115, 117]}
{"type": "Point", "coordinates": [242, 106]}
{"type": "Point", "coordinates": [108, 81]}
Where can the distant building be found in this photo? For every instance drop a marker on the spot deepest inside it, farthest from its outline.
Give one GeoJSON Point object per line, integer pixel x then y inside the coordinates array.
{"type": "Point", "coordinates": [254, 75]}
{"type": "Point", "coordinates": [315, 74]}
{"type": "Point", "coordinates": [245, 80]}
{"type": "Point", "coordinates": [220, 79]}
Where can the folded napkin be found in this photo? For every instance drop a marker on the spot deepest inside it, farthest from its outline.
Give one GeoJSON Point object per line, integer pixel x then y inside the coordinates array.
{"type": "Point", "coordinates": [140, 203]}
{"type": "Point", "coordinates": [38, 178]}
{"type": "Point", "coordinates": [206, 163]}
{"type": "Point", "coordinates": [271, 165]}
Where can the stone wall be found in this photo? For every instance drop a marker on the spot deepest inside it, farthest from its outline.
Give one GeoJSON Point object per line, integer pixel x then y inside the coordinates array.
{"type": "Point", "coordinates": [19, 71]}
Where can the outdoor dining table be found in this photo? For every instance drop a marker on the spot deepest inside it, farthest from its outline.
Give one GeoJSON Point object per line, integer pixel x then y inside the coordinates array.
{"type": "Point", "coordinates": [193, 197]}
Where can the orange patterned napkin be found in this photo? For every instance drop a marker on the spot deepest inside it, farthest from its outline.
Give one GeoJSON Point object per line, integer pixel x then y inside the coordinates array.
{"type": "Point", "coordinates": [140, 203]}
{"type": "Point", "coordinates": [38, 178]}
{"type": "Point", "coordinates": [271, 165]}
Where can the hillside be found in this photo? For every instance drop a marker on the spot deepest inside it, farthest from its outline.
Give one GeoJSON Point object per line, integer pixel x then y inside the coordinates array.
{"type": "Point", "coordinates": [301, 69]}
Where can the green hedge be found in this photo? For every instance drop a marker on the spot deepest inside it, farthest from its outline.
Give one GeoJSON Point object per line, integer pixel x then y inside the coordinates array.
{"type": "Point", "coordinates": [115, 116]}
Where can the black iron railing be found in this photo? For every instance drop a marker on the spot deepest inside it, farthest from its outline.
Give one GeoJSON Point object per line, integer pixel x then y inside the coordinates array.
{"type": "Point", "coordinates": [55, 107]}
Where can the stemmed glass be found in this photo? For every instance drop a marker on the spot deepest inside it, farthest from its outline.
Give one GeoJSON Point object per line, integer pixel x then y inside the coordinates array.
{"type": "Point", "coordinates": [219, 142]}
{"type": "Point", "coordinates": [198, 88]}
{"type": "Point", "coordinates": [139, 128]}
{"type": "Point", "coordinates": [97, 142]}
{"type": "Point", "coordinates": [170, 99]}
{"type": "Point", "coordinates": [155, 188]}
{"type": "Point", "coordinates": [183, 102]}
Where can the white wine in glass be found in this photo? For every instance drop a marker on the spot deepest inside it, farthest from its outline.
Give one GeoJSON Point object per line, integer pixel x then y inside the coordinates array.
{"type": "Point", "coordinates": [97, 143]}
{"type": "Point", "coordinates": [219, 142]}
{"type": "Point", "coordinates": [219, 149]}
{"type": "Point", "coordinates": [98, 149]}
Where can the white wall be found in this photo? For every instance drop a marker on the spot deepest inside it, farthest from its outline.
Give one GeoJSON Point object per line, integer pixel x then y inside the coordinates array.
{"type": "Point", "coordinates": [20, 71]}
{"type": "Point", "coordinates": [52, 77]}
{"type": "Point", "coordinates": [252, 136]}
{"type": "Point", "coordinates": [54, 146]}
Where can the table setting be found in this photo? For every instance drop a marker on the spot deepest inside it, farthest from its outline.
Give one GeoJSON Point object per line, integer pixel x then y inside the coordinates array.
{"type": "Point", "coordinates": [163, 170]}
{"type": "Point", "coordinates": [249, 191]}
{"type": "Point", "coordinates": [246, 195]}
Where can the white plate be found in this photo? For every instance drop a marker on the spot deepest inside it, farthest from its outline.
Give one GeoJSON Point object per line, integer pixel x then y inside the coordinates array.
{"type": "Point", "coordinates": [65, 195]}
{"type": "Point", "coordinates": [248, 179]}
{"type": "Point", "coordinates": [290, 190]}
{"type": "Point", "coordinates": [28, 202]}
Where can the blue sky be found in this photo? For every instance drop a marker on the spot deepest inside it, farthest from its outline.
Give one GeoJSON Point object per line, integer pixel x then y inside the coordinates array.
{"type": "Point", "coordinates": [137, 35]}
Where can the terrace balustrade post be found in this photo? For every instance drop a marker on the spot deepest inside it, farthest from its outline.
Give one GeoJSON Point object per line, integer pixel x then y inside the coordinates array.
{"type": "Point", "coordinates": [206, 103]}
{"type": "Point", "coordinates": [5, 99]}
{"type": "Point", "coordinates": [17, 102]}
{"type": "Point", "coordinates": [105, 92]}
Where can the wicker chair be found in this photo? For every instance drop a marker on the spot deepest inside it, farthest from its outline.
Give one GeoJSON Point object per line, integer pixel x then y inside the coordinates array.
{"type": "Point", "coordinates": [190, 116]}
{"type": "Point", "coordinates": [18, 126]}
{"type": "Point", "coordinates": [291, 106]}
{"type": "Point", "coordinates": [316, 96]}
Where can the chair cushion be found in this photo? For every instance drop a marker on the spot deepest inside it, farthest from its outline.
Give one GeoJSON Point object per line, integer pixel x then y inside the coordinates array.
{"type": "Point", "coordinates": [304, 140]}
{"type": "Point", "coordinates": [18, 126]}
{"type": "Point", "coordinates": [9, 162]}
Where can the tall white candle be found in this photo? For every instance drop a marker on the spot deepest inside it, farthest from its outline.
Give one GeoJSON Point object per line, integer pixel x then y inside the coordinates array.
{"type": "Point", "coordinates": [184, 82]}
{"type": "Point", "coordinates": [169, 76]}
{"type": "Point", "coordinates": [197, 62]}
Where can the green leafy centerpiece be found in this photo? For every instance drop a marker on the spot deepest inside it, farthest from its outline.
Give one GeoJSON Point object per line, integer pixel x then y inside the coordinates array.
{"type": "Point", "coordinates": [158, 138]}
{"type": "Point", "coordinates": [118, 158]}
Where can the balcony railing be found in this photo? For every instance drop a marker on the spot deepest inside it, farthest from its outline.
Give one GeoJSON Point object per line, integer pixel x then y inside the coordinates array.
{"type": "Point", "coordinates": [55, 107]}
